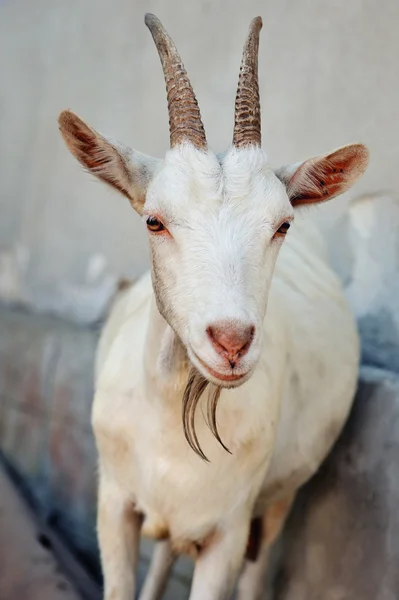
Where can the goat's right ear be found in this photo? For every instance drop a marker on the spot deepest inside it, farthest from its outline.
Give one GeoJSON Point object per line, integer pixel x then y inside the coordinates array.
{"type": "Point", "coordinates": [124, 169]}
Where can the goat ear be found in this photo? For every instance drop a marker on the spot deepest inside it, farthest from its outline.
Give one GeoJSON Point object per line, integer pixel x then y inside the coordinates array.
{"type": "Point", "coordinates": [324, 177]}
{"type": "Point", "coordinates": [124, 169]}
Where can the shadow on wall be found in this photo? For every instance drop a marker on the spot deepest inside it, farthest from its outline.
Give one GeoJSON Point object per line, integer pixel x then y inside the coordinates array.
{"type": "Point", "coordinates": [342, 539]}
{"type": "Point", "coordinates": [364, 247]}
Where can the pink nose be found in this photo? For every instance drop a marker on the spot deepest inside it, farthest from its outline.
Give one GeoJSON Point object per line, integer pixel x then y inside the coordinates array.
{"type": "Point", "coordinates": [231, 341]}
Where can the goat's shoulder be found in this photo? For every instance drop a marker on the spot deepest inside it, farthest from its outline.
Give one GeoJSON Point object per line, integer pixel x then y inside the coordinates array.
{"type": "Point", "coordinates": [129, 304]}
{"type": "Point", "coordinates": [119, 359]}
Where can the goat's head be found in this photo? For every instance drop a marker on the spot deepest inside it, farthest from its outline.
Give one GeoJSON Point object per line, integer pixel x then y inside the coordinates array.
{"type": "Point", "coordinates": [215, 223]}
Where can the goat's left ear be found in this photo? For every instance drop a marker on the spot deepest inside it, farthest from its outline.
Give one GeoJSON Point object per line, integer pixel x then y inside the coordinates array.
{"type": "Point", "coordinates": [126, 170]}
{"type": "Point", "coordinates": [324, 177]}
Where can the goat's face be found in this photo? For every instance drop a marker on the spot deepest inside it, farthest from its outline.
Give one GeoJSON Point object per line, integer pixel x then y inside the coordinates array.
{"type": "Point", "coordinates": [215, 223]}
{"type": "Point", "coordinates": [215, 227]}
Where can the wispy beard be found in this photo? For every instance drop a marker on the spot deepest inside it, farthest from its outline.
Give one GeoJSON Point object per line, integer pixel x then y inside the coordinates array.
{"type": "Point", "coordinates": [195, 387]}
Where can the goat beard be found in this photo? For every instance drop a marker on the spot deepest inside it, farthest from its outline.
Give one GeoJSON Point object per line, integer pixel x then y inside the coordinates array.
{"type": "Point", "coordinates": [196, 385]}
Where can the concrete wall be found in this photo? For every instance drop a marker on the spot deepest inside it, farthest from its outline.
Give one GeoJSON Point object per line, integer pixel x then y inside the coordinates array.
{"type": "Point", "coordinates": [328, 77]}
{"type": "Point", "coordinates": [341, 541]}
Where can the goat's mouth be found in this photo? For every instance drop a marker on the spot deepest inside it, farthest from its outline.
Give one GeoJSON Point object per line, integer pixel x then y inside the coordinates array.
{"type": "Point", "coordinates": [227, 378]}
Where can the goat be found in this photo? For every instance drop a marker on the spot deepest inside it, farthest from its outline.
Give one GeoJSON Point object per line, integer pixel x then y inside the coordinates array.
{"type": "Point", "coordinates": [195, 330]}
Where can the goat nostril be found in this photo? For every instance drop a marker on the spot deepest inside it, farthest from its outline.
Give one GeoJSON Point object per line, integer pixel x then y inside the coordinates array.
{"type": "Point", "coordinates": [231, 340]}
{"type": "Point", "coordinates": [209, 331]}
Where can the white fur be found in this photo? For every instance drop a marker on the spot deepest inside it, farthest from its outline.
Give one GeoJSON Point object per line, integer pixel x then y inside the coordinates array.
{"type": "Point", "coordinates": [301, 370]}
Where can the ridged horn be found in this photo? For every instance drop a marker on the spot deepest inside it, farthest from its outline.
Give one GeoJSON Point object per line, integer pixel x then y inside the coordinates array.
{"type": "Point", "coordinates": [185, 122]}
{"type": "Point", "coordinates": [247, 125]}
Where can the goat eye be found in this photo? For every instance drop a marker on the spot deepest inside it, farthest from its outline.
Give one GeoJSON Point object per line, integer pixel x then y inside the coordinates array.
{"type": "Point", "coordinates": [282, 230]}
{"type": "Point", "coordinates": [154, 224]}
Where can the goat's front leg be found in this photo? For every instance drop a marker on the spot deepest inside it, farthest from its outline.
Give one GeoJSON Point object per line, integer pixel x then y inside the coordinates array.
{"type": "Point", "coordinates": [218, 565]}
{"type": "Point", "coordinates": [118, 528]}
{"type": "Point", "coordinates": [252, 582]}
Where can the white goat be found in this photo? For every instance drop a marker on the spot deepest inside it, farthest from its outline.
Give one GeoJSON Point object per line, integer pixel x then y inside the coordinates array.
{"type": "Point", "coordinates": [282, 385]}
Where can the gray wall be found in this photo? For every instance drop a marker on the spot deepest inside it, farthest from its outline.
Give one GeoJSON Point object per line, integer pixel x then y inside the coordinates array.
{"type": "Point", "coordinates": [329, 76]}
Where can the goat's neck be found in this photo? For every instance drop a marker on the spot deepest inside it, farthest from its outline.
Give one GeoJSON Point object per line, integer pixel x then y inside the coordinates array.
{"type": "Point", "coordinates": [166, 363]}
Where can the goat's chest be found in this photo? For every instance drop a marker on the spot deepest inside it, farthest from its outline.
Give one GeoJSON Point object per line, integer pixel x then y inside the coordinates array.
{"type": "Point", "coordinates": [179, 494]}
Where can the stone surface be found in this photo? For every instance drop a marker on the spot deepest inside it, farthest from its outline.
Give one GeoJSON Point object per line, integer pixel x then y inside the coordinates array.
{"type": "Point", "coordinates": [46, 368]}
{"type": "Point", "coordinates": [328, 76]}
{"type": "Point", "coordinates": [28, 569]}
{"type": "Point", "coordinates": [342, 540]}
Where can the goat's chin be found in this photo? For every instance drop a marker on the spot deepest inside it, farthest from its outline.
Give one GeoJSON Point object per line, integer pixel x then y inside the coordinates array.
{"type": "Point", "coordinates": [228, 385]}
{"type": "Point", "coordinates": [228, 380]}
{"type": "Point", "coordinates": [223, 381]}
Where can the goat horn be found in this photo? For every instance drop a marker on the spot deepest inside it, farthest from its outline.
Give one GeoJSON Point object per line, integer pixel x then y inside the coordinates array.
{"type": "Point", "coordinates": [247, 126]}
{"type": "Point", "coordinates": [185, 122]}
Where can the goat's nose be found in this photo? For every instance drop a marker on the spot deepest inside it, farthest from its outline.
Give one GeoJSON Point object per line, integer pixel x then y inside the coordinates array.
{"type": "Point", "coordinates": [232, 341]}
